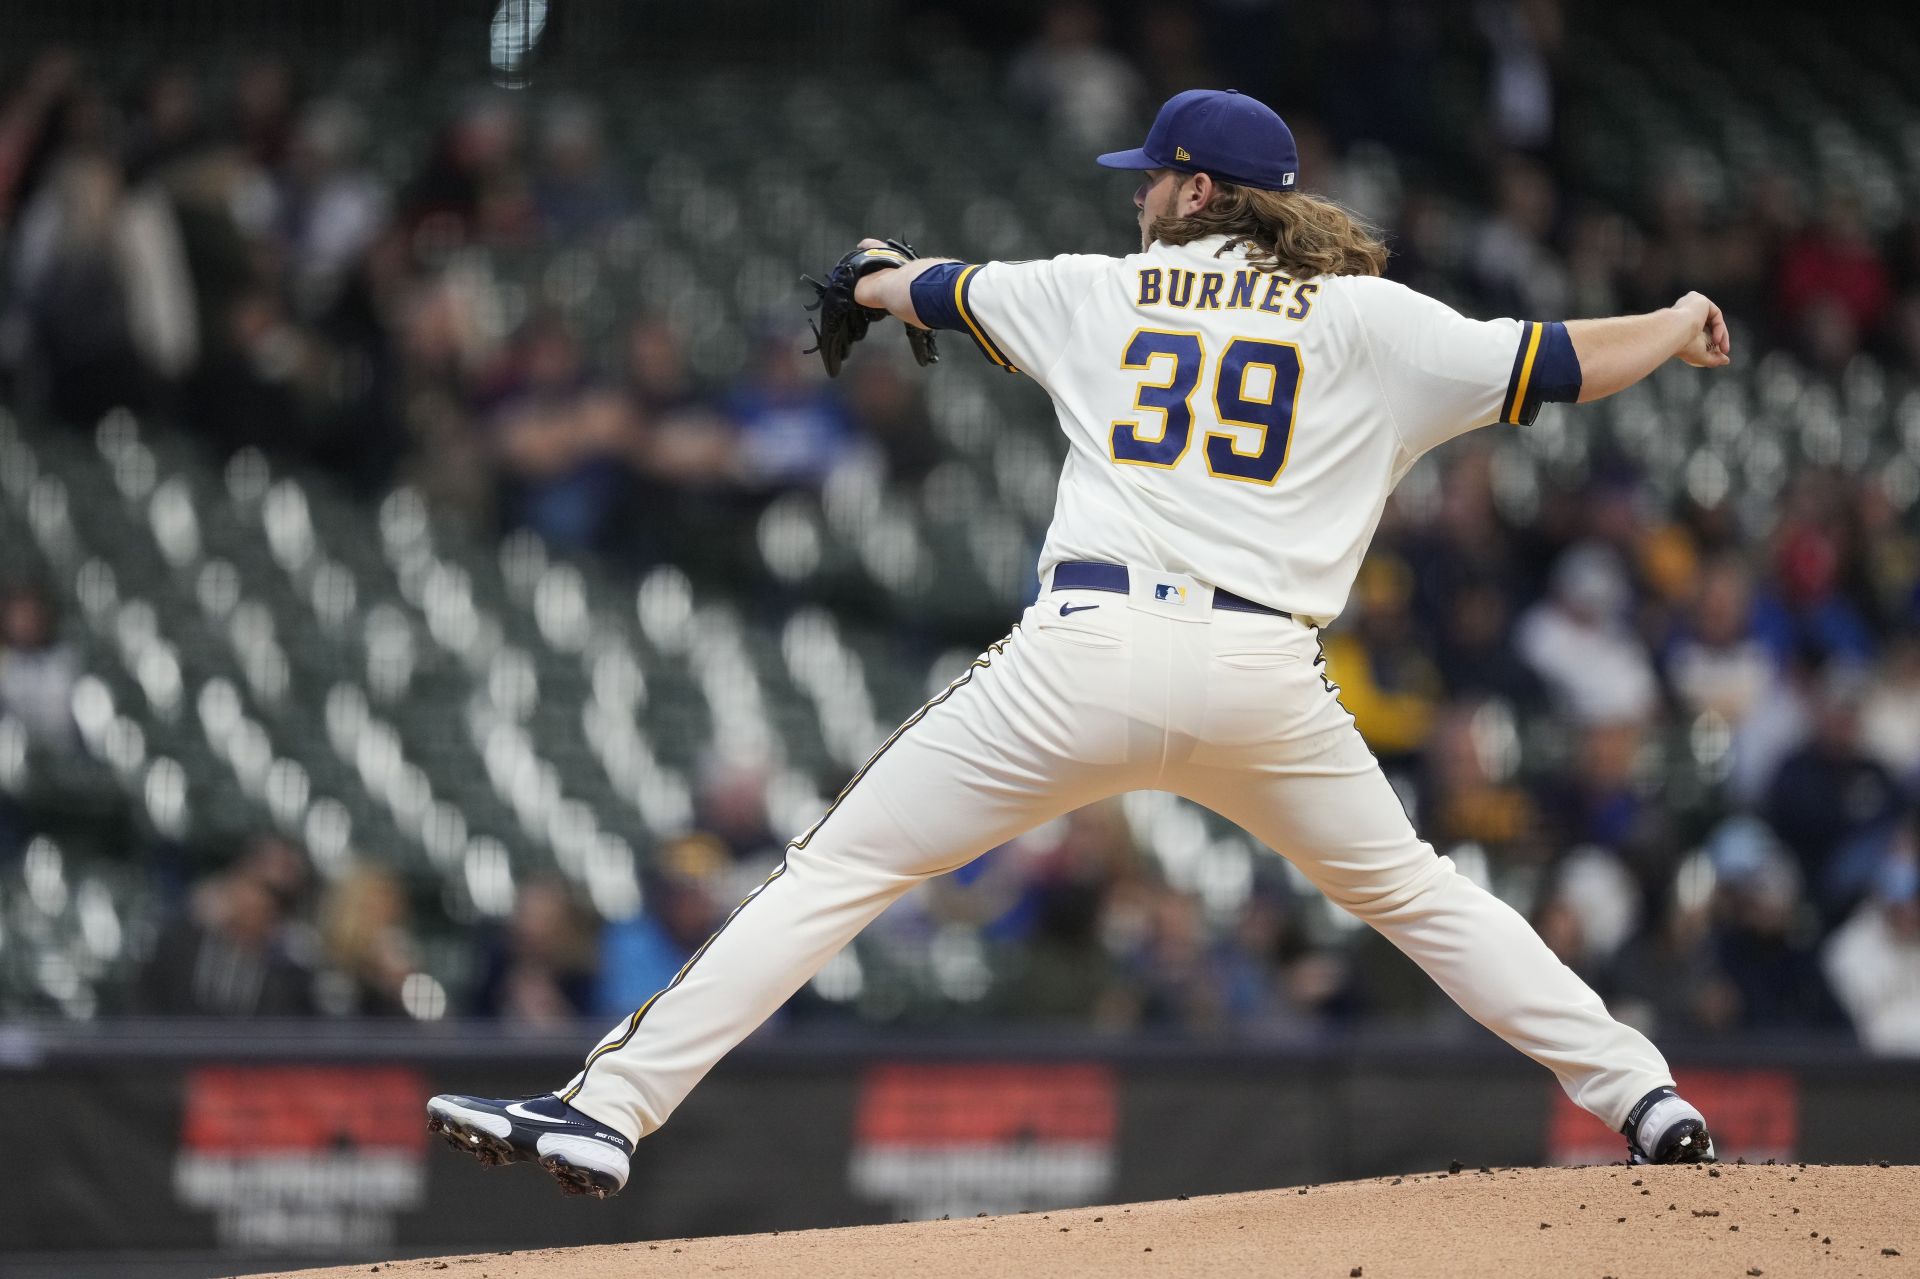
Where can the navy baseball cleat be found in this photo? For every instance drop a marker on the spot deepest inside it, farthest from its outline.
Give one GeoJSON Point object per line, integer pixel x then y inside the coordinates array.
{"type": "Point", "coordinates": [583, 1154]}
{"type": "Point", "coordinates": [1662, 1128]}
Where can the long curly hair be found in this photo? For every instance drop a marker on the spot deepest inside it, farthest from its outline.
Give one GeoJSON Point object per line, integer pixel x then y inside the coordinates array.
{"type": "Point", "coordinates": [1288, 232]}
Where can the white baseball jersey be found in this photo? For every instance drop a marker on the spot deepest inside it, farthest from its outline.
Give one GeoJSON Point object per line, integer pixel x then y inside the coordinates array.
{"type": "Point", "coordinates": [1241, 431]}
{"type": "Point", "coordinates": [1241, 427]}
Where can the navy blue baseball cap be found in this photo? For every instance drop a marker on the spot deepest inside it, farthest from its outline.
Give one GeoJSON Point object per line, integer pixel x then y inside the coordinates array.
{"type": "Point", "coordinates": [1222, 132]}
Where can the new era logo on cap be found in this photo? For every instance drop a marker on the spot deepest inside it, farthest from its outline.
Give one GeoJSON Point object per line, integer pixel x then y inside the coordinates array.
{"type": "Point", "coordinates": [1180, 154]}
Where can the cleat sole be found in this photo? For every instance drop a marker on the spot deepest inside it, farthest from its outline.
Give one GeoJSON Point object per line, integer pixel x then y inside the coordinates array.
{"type": "Point", "coordinates": [483, 1147]}
{"type": "Point", "coordinates": [1694, 1148]}
{"type": "Point", "coordinates": [578, 1181]}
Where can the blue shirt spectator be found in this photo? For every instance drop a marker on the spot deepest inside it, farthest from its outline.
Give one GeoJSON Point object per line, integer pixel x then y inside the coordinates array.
{"type": "Point", "coordinates": [793, 430]}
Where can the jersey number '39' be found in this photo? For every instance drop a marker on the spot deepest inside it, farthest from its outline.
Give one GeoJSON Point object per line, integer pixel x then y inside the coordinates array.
{"type": "Point", "coordinates": [1238, 400]}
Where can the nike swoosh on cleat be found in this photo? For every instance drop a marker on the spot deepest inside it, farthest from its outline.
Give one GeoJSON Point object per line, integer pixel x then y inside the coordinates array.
{"type": "Point", "coordinates": [1068, 610]}
{"type": "Point", "coordinates": [515, 1110]}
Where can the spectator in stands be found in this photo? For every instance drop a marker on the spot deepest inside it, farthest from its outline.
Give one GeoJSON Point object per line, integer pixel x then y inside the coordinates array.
{"type": "Point", "coordinates": [1884, 566]}
{"type": "Point", "coordinates": [1382, 665]}
{"type": "Point", "coordinates": [684, 453]}
{"type": "Point", "coordinates": [1680, 243]}
{"type": "Point", "coordinates": [1835, 262]}
{"type": "Point", "coordinates": [366, 927]}
{"type": "Point", "coordinates": [1890, 712]}
{"type": "Point", "coordinates": [538, 970]}
{"type": "Point", "coordinates": [471, 189]}
{"type": "Point", "coordinates": [889, 411]}
{"type": "Point", "coordinates": [1388, 55]}
{"type": "Point", "coordinates": [1469, 793]}
{"type": "Point", "coordinates": [248, 390]}
{"type": "Point", "coordinates": [1738, 267]}
{"type": "Point", "coordinates": [640, 956]}
{"type": "Point", "coordinates": [1276, 984]}
{"type": "Point", "coordinates": [1600, 245]}
{"type": "Point", "coordinates": [1589, 913]}
{"type": "Point", "coordinates": [1177, 978]}
{"type": "Point", "coordinates": [235, 950]}
{"type": "Point", "coordinates": [256, 364]}
{"type": "Point", "coordinates": [1171, 53]}
{"type": "Point", "coordinates": [1903, 253]}
{"type": "Point", "coordinates": [1578, 642]}
{"type": "Point", "coordinates": [28, 120]}
{"type": "Point", "coordinates": [689, 444]}
{"type": "Point", "coordinates": [1524, 39]}
{"type": "Point", "coordinates": [575, 191]}
{"type": "Point", "coordinates": [440, 343]}
{"type": "Point", "coordinates": [731, 806]}
{"type": "Point", "coordinates": [1717, 665]}
{"type": "Point", "coordinates": [1831, 803]}
{"type": "Point", "coordinates": [1777, 724]}
{"type": "Point", "coordinates": [1474, 648]}
{"type": "Point", "coordinates": [1873, 960]}
{"type": "Point", "coordinates": [1512, 262]}
{"type": "Point", "coordinates": [1068, 76]}
{"type": "Point", "coordinates": [101, 284]}
{"type": "Point", "coordinates": [359, 405]}
{"type": "Point", "coordinates": [1088, 899]}
{"type": "Point", "coordinates": [1618, 513]}
{"type": "Point", "coordinates": [37, 668]}
{"type": "Point", "coordinates": [1767, 933]}
{"type": "Point", "coordinates": [658, 381]}
{"type": "Point", "coordinates": [1465, 539]}
{"type": "Point", "coordinates": [1904, 331]}
{"type": "Point", "coordinates": [792, 429]}
{"type": "Point", "coordinates": [1601, 800]}
{"type": "Point", "coordinates": [1670, 978]}
{"type": "Point", "coordinates": [265, 104]}
{"type": "Point", "coordinates": [169, 126]}
{"type": "Point", "coordinates": [1827, 335]}
{"type": "Point", "coordinates": [332, 208]}
{"type": "Point", "coordinates": [567, 445]}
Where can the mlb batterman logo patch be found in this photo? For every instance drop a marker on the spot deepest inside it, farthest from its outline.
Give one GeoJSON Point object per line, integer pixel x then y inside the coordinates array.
{"type": "Point", "coordinates": [1169, 593]}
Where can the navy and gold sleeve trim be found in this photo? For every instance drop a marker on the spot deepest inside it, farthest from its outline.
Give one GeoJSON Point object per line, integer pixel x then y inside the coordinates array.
{"type": "Point", "coordinates": [940, 299]}
{"type": "Point", "coordinates": [1545, 368]}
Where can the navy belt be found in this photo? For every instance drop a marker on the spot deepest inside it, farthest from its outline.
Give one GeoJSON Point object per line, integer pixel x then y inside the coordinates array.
{"type": "Point", "coordinates": [1091, 575]}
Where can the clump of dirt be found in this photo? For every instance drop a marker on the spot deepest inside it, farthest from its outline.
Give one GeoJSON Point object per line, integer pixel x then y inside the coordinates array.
{"type": "Point", "coordinates": [1787, 1219]}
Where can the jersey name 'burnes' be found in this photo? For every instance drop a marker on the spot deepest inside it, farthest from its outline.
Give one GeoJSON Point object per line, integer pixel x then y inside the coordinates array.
{"type": "Point", "coordinates": [1184, 290]}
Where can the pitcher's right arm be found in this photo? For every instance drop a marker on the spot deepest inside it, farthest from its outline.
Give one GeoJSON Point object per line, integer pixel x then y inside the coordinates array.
{"type": "Point", "coordinates": [1616, 353]}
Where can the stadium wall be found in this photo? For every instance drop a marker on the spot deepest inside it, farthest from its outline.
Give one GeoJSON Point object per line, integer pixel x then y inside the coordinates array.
{"type": "Point", "coordinates": [210, 1149]}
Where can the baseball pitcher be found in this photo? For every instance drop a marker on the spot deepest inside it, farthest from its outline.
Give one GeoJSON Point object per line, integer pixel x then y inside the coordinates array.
{"type": "Point", "coordinates": [1239, 398]}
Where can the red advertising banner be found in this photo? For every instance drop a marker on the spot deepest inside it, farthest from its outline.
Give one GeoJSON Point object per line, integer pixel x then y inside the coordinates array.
{"type": "Point", "coordinates": [317, 1159]}
{"type": "Point", "coordinates": [952, 1140]}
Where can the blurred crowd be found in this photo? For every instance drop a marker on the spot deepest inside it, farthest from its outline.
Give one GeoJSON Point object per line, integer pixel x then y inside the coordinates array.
{"type": "Point", "coordinates": [1688, 746]}
{"type": "Point", "coordinates": [1704, 741]}
{"type": "Point", "coordinates": [220, 253]}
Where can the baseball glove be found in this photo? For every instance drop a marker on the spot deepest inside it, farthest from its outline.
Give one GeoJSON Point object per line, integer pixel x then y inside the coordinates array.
{"type": "Point", "coordinates": [844, 321]}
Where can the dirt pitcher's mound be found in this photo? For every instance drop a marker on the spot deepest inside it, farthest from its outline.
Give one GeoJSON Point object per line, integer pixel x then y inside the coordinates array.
{"type": "Point", "coordinates": [1784, 1220]}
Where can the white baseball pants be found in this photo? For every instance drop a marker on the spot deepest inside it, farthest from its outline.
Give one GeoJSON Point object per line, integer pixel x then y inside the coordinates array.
{"type": "Point", "coordinates": [1124, 693]}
